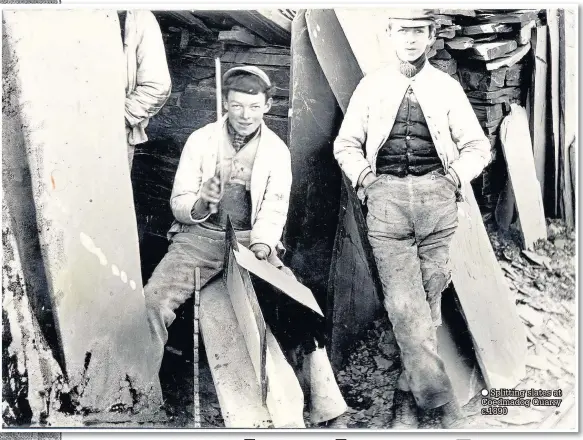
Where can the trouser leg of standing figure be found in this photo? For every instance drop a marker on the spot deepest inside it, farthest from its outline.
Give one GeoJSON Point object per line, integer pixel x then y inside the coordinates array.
{"type": "Point", "coordinates": [391, 224]}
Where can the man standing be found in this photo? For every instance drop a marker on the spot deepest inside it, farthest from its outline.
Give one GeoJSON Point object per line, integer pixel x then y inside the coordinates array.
{"type": "Point", "coordinates": [410, 143]}
{"type": "Point", "coordinates": [148, 84]}
{"type": "Point", "coordinates": [253, 190]}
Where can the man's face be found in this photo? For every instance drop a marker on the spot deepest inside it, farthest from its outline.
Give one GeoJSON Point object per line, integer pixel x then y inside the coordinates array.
{"type": "Point", "coordinates": [410, 42]}
{"type": "Point", "coordinates": [246, 111]}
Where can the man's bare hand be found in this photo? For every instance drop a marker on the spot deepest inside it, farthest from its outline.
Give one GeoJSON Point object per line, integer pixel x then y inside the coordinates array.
{"type": "Point", "coordinates": [260, 250]}
{"type": "Point", "coordinates": [210, 193]}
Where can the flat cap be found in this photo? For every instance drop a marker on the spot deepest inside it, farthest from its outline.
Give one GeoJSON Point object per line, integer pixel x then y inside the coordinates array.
{"type": "Point", "coordinates": [253, 70]}
{"type": "Point", "coordinates": [411, 17]}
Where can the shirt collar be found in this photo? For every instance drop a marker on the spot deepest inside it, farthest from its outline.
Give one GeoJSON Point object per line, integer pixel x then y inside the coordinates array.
{"type": "Point", "coordinates": [238, 140]}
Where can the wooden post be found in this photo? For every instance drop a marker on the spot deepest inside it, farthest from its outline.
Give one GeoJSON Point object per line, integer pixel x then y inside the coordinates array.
{"type": "Point", "coordinates": [539, 103]}
{"type": "Point", "coordinates": [196, 305]}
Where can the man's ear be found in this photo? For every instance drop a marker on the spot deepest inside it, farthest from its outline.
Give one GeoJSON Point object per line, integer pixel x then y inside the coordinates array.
{"type": "Point", "coordinates": [225, 104]}
{"type": "Point", "coordinates": [268, 104]}
{"type": "Point", "coordinates": [432, 35]}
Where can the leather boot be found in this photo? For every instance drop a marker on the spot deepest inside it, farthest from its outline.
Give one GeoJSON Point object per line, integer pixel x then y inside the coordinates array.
{"type": "Point", "coordinates": [404, 411]}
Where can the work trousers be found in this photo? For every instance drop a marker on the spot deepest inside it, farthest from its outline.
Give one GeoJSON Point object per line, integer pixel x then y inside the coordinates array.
{"type": "Point", "coordinates": [411, 221]}
{"type": "Point", "coordinates": [172, 283]}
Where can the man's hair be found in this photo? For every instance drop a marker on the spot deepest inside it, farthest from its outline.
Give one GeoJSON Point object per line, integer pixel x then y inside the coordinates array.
{"type": "Point", "coordinates": [247, 83]}
{"type": "Point", "coordinates": [432, 27]}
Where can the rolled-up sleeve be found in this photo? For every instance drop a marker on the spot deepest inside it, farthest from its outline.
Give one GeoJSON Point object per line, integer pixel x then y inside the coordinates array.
{"type": "Point", "coordinates": [153, 82]}
{"type": "Point", "coordinates": [468, 135]}
{"type": "Point", "coordinates": [349, 144]}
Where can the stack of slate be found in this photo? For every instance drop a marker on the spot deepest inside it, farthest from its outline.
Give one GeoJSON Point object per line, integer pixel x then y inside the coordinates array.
{"type": "Point", "coordinates": [438, 55]}
{"type": "Point", "coordinates": [491, 50]}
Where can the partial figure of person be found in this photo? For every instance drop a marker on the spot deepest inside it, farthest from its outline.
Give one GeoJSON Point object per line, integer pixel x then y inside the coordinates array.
{"type": "Point", "coordinates": [251, 185]}
{"type": "Point", "coordinates": [410, 143]}
{"type": "Point", "coordinates": [148, 84]}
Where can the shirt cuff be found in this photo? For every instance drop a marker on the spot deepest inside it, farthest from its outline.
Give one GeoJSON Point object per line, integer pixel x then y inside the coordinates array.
{"type": "Point", "coordinates": [363, 175]}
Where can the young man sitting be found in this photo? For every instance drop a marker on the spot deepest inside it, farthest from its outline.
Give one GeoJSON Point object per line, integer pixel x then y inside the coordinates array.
{"type": "Point", "coordinates": [254, 193]}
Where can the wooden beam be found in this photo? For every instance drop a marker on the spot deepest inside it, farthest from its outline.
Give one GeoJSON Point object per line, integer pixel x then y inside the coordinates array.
{"type": "Point", "coordinates": [568, 102]}
{"type": "Point", "coordinates": [553, 24]}
{"type": "Point", "coordinates": [526, 32]}
{"type": "Point", "coordinates": [517, 148]}
{"type": "Point", "coordinates": [190, 20]}
{"type": "Point", "coordinates": [241, 36]}
{"type": "Point", "coordinates": [262, 25]}
{"type": "Point", "coordinates": [510, 59]}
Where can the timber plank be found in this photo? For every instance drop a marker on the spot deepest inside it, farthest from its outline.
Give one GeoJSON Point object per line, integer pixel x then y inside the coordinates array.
{"type": "Point", "coordinates": [262, 25]}
{"type": "Point", "coordinates": [517, 148]}
{"type": "Point", "coordinates": [554, 59]}
{"type": "Point", "coordinates": [88, 238]}
{"type": "Point", "coordinates": [526, 32]}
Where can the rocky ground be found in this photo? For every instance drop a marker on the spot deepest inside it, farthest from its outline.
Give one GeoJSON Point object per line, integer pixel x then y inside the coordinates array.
{"type": "Point", "coordinates": [544, 287]}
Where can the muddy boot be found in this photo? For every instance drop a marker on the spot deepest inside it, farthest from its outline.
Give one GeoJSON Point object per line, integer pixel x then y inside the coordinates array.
{"type": "Point", "coordinates": [404, 410]}
{"type": "Point", "coordinates": [453, 416]}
